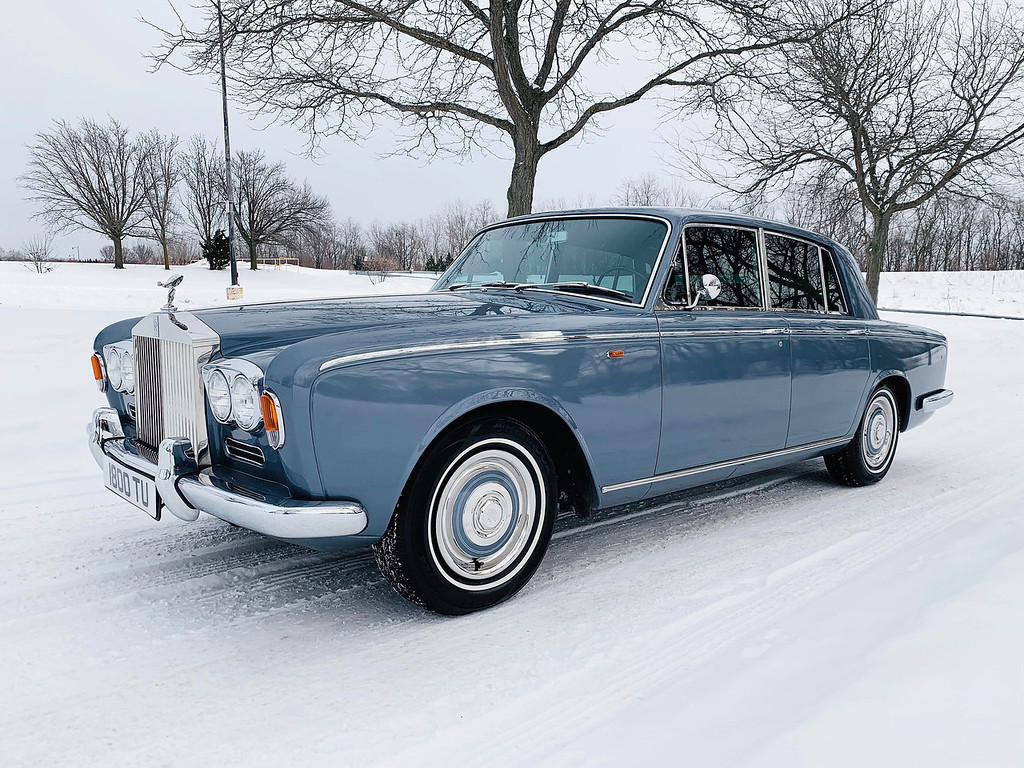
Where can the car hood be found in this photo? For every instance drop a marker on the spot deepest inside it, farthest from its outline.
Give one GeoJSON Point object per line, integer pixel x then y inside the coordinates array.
{"type": "Point", "coordinates": [251, 329]}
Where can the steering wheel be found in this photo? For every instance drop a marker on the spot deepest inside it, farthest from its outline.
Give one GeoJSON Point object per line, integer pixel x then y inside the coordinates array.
{"type": "Point", "coordinates": [619, 271]}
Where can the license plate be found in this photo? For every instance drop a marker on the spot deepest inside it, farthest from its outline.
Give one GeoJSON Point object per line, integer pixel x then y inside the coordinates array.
{"type": "Point", "coordinates": [132, 487]}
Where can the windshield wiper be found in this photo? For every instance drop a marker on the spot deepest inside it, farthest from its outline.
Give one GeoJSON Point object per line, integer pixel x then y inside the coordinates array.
{"type": "Point", "coordinates": [492, 284]}
{"type": "Point", "coordinates": [578, 286]}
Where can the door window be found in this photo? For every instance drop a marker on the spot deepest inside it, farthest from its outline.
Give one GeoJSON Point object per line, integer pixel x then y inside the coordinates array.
{"type": "Point", "coordinates": [729, 253]}
{"type": "Point", "coordinates": [794, 274]}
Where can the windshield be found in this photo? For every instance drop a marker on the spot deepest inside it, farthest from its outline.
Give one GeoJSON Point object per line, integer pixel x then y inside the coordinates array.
{"type": "Point", "coordinates": [618, 254]}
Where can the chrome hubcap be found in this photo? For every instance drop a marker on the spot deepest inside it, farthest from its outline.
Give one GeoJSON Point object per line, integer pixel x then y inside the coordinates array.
{"type": "Point", "coordinates": [878, 436]}
{"type": "Point", "coordinates": [486, 513]}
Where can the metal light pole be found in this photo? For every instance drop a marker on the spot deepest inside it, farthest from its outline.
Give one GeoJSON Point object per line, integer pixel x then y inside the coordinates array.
{"type": "Point", "coordinates": [235, 291]}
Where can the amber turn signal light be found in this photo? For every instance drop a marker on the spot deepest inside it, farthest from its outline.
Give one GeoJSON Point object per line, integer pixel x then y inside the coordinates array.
{"type": "Point", "coordinates": [613, 353]}
{"type": "Point", "coordinates": [97, 373]}
{"type": "Point", "coordinates": [272, 419]}
{"type": "Point", "coordinates": [269, 412]}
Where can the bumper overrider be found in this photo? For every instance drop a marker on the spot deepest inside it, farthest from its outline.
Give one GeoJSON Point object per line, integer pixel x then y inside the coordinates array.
{"type": "Point", "coordinates": [186, 490]}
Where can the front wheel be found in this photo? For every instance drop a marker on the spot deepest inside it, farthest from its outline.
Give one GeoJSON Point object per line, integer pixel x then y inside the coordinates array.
{"type": "Point", "coordinates": [869, 455]}
{"type": "Point", "coordinates": [475, 521]}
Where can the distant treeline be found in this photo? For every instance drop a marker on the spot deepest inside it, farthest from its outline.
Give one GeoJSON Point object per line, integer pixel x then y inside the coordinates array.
{"type": "Point", "coordinates": [946, 234]}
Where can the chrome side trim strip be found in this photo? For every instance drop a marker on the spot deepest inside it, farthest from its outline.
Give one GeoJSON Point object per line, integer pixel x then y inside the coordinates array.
{"type": "Point", "coordinates": [821, 444]}
{"type": "Point", "coordinates": [543, 337]}
{"type": "Point", "coordinates": [828, 332]}
{"type": "Point", "coordinates": [727, 332]}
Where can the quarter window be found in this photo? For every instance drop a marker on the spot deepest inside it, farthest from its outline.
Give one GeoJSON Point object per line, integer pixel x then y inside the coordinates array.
{"type": "Point", "coordinates": [836, 303]}
{"type": "Point", "coordinates": [730, 254]}
{"type": "Point", "coordinates": [794, 274]}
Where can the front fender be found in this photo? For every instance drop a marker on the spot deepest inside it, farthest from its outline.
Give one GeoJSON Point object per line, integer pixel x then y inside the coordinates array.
{"type": "Point", "coordinates": [497, 396]}
{"type": "Point", "coordinates": [370, 423]}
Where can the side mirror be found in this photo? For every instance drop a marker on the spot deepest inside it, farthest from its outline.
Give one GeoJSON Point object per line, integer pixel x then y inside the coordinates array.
{"type": "Point", "coordinates": [709, 290]}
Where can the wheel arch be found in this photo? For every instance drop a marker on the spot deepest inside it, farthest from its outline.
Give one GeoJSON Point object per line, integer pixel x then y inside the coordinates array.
{"type": "Point", "coordinates": [576, 483]}
{"type": "Point", "coordinates": [900, 388]}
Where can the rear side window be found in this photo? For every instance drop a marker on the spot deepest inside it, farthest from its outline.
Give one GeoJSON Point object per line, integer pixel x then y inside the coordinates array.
{"type": "Point", "coordinates": [836, 302]}
{"type": "Point", "coordinates": [730, 254]}
{"type": "Point", "coordinates": [794, 274]}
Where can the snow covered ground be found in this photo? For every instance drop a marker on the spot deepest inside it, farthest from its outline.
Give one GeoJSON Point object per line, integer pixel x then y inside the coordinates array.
{"type": "Point", "coordinates": [778, 620]}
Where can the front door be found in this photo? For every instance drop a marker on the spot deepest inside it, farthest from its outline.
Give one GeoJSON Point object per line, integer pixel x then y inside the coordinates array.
{"type": "Point", "coordinates": [726, 362]}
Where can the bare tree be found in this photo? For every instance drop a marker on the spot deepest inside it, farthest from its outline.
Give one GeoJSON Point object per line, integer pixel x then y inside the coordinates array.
{"type": "Point", "coordinates": [826, 204]}
{"type": "Point", "coordinates": [537, 73]}
{"type": "Point", "coordinates": [398, 244]}
{"type": "Point", "coordinates": [923, 97]}
{"type": "Point", "coordinates": [163, 172]}
{"type": "Point", "coordinates": [953, 233]}
{"type": "Point", "coordinates": [352, 252]}
{"type": "Point", "coordinates": [378, 267]}
{"type": "Point", "coordinates": [183, 250]}
{"type": "Point", "coordinates": [202, 170]}
{"type": "Point", "coordinates": [38, 250]}
{"type": "Point", "coordinates": [461, 221]}
{"type": "Point", "coordinates": [141, 252]}
{"type": "Point", "coordinates": [92, 176]}
{"type": "Point", "coordinates": [651, 190]}
{"type": "Point", "coordinates": [271, 208]}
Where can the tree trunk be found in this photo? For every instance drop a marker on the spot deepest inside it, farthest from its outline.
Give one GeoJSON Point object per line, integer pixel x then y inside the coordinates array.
{"type": "Point", "coordinates": [167, 256]}
{"type": "Point", "coordinates": [876, 250]}
{"type": "Point", "coordinates": [524, 176]}
{"type": "Point", "coordinates": [252, 255]}
{"type": "Point", "coordinates": [118, 253]}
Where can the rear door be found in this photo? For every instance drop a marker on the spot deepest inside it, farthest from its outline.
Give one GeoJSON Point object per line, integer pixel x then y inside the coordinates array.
{"type": "Point", "coordinates": [831, 363]}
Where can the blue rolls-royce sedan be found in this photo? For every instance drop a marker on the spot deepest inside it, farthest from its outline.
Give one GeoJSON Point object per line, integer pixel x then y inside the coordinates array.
{"type": "Point", "coordinates": [565, 362]}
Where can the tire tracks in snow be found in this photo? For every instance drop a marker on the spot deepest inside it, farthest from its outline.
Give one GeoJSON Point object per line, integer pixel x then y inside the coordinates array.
{"type": "Point", "coordinates": [676, 647]}
{"type": "Point", "coordinates": [212, 562]}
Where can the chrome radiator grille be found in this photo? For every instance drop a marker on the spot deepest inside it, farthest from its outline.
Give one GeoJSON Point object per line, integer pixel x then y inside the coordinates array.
{"type": "Point", "coordinates": [169, 398]}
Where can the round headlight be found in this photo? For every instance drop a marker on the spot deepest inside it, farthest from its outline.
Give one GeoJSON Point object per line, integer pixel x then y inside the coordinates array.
{"type": "Point", "coordinates": [219, 393]}
{"type": "Point", "coordinates": [127, 372]}
{"type": "Point", "coordinates": [114, 368]}
{"type": "Point", "coordinates": [245, 403]}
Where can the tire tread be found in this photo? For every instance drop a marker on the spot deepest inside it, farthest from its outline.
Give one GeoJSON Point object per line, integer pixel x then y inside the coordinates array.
{"type": "Point", "coordinates": [848, 467]}
{"type": "Point", "coordinates": [398, 553]}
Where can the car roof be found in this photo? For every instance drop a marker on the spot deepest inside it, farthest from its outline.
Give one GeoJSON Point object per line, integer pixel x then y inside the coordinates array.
{"type": "Point", "coordinates": [680, 217]}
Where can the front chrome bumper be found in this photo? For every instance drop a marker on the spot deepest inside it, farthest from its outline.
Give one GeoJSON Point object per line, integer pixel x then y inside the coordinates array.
{"type": "Point", "coordinates": [186, 490]}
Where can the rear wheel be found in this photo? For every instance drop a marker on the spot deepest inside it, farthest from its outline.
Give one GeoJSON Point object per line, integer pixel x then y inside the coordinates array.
{"type": "Point", "coordinates": [475, 521]}
{"type": "Point", "coordinates": [869, 455]}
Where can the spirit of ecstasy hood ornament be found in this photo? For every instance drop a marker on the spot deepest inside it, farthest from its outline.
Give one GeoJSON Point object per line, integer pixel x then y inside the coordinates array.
{"type": "Point", "coordinates": [170, 284]}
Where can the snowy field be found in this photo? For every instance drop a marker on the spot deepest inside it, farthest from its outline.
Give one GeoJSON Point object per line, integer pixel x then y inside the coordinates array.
{"type": "Point", "coordinates": [779, 620]}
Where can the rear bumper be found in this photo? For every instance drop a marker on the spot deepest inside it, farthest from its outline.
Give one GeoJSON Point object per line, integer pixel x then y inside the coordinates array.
{"type": "Point", "coordinates": [186, 490]}
{"type": "Point", "coordinates": [935, 400]}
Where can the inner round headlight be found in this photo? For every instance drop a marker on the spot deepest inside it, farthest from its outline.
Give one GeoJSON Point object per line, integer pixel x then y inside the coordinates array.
{"type": "Point", "coordinates": [127, 372]}
{"type": "Point", "coordinates": [245, 403]}
{"type": "Point", "coordinates": [219, 393]}
{"type": "Point", "coordinates": [114, 368]}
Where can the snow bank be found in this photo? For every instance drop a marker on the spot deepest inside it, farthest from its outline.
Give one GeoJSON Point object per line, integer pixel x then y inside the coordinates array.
{"type": "Point", "coordinates": [995, 293]}
{"type": "Point", "coordinates": [134, 289]}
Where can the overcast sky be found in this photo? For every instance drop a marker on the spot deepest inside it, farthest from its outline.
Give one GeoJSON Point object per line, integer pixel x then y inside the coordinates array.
{"type": "Point", "coordinates": [64, 59]}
